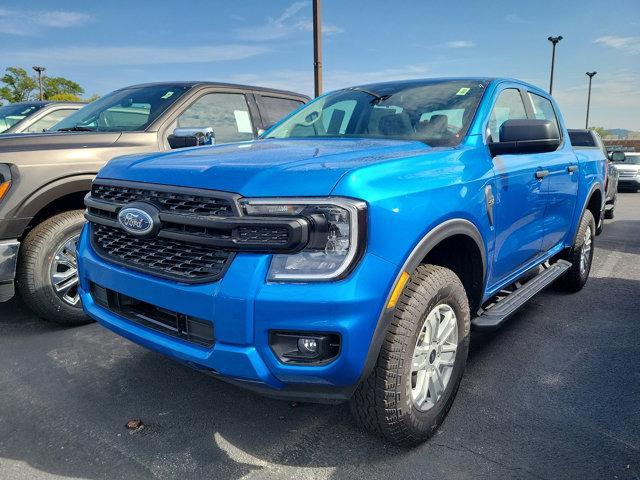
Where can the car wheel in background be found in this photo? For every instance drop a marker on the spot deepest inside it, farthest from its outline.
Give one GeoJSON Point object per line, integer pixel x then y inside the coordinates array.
{"type": "Point", "coordinates": [609, 209]}
{"type": "Point", "coordinates": [47, 276]}
{"type": "Point", "coordinates": [412, 387]}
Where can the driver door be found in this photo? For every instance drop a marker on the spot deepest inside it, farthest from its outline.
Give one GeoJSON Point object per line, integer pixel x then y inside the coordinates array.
{"type": "Point", "coordinates": [227, 113]}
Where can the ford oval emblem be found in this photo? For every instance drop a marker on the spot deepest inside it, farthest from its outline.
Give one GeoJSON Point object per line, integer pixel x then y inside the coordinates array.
{"type": "Point", "coordinates": [135, 221]}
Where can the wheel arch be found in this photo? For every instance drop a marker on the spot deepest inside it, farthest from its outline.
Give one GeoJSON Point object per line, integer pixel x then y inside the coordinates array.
{"type": "Point", "coordinates": [58, 196]}
{"type": "Point", "coordinates": [594, 202]}
{"type": "Point", "coordinates": [441, 236]}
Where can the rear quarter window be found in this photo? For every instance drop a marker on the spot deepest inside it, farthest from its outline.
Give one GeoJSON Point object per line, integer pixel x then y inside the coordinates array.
{"type": "Point", "coordinates": [582, 139]}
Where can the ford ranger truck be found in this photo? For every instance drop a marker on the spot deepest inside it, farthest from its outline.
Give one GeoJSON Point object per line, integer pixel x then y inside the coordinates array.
{"type": "Point", "coordinates": [348, 252]}
{"type": "Point", "coordinates": [44, 177]}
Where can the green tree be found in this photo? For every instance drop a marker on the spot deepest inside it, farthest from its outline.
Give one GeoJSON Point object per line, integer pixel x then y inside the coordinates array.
{"type": "Point", "coordinates": [18, 85]}
{"type": "Point", "coordinates": [60, 88]}
{"type": "Point", "coordinates": [603, 132]}
{"type": "Point", "coordinates": [65, 97]}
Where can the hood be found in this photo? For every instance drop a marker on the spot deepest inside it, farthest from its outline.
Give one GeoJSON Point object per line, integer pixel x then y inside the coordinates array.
{"type": "Point", "coordinates": [626, 167]}
{"type": "Point", "coordinates": [273, 167]}
{"type": "Point", "coordinates": [56, 140]}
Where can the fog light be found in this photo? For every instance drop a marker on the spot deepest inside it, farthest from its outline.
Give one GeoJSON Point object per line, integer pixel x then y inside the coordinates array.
{"type": "Point", "coordinates": [308, 345]}
{"type": "Point", "coordinates": [292, 347]}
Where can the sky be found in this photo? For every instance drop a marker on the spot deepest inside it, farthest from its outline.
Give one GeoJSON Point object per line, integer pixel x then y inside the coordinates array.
{"type": "Point", "coordinates": [113, 43]}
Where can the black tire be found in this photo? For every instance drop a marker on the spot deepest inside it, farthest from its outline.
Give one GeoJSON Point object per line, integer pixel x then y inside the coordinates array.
{"type": "Point", "coordinates": [34, 268]}
{"type": "Point", "coordinates": [575, 278]}
{"type": "Point", "coordinates": [609, 212]}
{"type": "Point", "coordinates": [382, 403]}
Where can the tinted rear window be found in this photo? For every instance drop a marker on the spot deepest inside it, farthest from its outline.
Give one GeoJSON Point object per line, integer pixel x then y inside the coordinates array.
{"type": "Point", "coordinates": [582, 139]}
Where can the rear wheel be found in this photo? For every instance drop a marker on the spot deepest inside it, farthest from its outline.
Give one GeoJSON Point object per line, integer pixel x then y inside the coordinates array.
{"type": "Point", "coordinates": [47, 274]}
{"type": "Point", "coordinates": [580, 255]}
{"type": "Point", "coordinates": [609, 212]}
{"type": "Point", "coordinates": [412, 387]}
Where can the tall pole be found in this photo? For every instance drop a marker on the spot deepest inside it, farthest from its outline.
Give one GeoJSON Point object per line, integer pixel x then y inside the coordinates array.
{"type": "Point", "coordinates": [317, 48]}
{"type": "Point", "coordinates": [554, 41]}
{"type": "Point", "coordinates": [590, 75]}
{"type": "Point", "coordinates": [39, 70]}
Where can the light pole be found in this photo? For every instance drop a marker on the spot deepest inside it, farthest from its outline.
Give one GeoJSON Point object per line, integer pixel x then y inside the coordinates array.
{"type": "Point", "coordinates": [554, 41]}
{"type": "Point", "coordinates": [40, 70]}
{"type": "Point", "coordinates": [590, 75]}
{"type": "Point", "coordinates": [317, 48]}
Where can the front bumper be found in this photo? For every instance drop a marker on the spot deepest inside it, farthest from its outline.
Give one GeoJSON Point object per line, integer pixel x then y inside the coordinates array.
{"type": "Point", "coordinates": [629, 182]}
{"type": "Point", "coordinates": [244, 309]}
{"type": "Point", "coordinates": [8, 263]}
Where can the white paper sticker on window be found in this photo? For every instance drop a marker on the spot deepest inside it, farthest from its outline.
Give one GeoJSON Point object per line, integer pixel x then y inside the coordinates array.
{"type": "Point", "coordinates": [243, 120]}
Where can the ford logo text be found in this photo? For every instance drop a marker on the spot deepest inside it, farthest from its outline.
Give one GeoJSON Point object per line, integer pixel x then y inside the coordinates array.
{"type": "Point", "coordinates": [135, 221]}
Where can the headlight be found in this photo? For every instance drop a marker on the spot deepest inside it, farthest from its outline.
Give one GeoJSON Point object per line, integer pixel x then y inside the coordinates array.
{"type": "Point", "coordinates": [337, 236]}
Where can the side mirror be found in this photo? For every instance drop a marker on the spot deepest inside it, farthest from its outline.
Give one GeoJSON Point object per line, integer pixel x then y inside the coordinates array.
{"type": "Point", "coordinates": [191, 137]}
{"type": "Point", "coordinates": [526, 136]}
{"type": "Point", "coordinates": [618, 156]}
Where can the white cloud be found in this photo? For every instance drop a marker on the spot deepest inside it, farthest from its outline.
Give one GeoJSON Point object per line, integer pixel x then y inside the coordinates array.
{"type": "Point", "coordinates": [111, 56]}
{"type": "Point", "coordinates": [294, 19]}
{"type": "Point", "coordinates": [27, 22]}
{"type": "Point", "coordinates": [629, 45]}
{"type": "Point", "coordinates": [61, 19]}
{"type": "Point", "coordinates": [614, 100]}
{"type": "Point", "coordinates": [460, 44]}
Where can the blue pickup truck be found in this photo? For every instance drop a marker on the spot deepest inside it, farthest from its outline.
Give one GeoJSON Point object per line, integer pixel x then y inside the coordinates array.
{"type": "Point", "coordinates": [348, 252]}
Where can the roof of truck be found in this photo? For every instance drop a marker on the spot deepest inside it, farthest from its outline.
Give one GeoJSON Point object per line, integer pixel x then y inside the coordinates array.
{"type": "Point", "coordinates": [190, 84]}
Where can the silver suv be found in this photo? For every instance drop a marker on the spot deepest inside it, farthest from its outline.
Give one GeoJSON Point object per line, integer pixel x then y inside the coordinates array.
{"type": "Point", "coordinates": [628, 165]}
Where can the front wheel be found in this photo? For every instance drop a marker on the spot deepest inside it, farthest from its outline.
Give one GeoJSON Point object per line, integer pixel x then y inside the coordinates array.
{"type": "Point", "coordinates": [580, 255]}
{"type": "Point", "coordinates": [47, 274]}
{"type": "Point", "coordinates": [412, 387]}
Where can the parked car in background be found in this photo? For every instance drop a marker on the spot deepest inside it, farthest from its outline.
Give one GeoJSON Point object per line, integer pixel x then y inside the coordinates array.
{"type": "Point", "coordinates": [583, 138]}
{"type": "Point", "coordinates": [34, 117]}
{"type": "Point", "coordinates": [44, 177]}
{"type": "Point", "coordinates": [347, 253]}
{"type": "Point", "coordinates": [628, 166]}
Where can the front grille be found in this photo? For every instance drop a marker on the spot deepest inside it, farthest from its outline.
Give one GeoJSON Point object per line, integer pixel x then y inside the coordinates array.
{"type": "Point", "coordinates": [627, 174]}
{"type": "Point", "coordinates": [185, 203]}
{"type": "Point", "coordinates": [163, 257]}
{"type": "Point", "coordinates": [185, 327]}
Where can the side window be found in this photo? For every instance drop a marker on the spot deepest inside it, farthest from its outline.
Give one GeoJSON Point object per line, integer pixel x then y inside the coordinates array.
{"type": "Point", "coordinates": [276, 108]}
{"type": "Point", "coordinates": [543, 109]}
{"type": "Point", "coordinates": [227, 113]}
{"type": "Point", "coordinates": [49, 120]}
{"type": "Point", "coordinates": [509, 106]}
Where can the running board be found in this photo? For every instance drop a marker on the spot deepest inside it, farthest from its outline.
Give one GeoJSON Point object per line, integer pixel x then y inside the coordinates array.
{"type": "Point", "coordinates": [506, 303]}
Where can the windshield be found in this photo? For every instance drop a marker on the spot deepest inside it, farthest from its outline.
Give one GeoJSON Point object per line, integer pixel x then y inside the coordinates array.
{"type": "Point", "coordinates": [437, 113]}
{"type": "Point", "coordinates": [12, 114]}
{"type": "Point", "coordinates": [128, 110]}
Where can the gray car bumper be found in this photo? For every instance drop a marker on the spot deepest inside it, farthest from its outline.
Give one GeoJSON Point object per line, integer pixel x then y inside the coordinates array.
{"type": "Point", "coordinates": [8, 262]}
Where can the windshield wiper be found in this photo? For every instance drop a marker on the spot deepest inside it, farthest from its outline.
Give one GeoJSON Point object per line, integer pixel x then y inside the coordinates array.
{"type": "Point", "coordinates": [376, 96]}
{"type": "Point", "coordinates": [77, 129]}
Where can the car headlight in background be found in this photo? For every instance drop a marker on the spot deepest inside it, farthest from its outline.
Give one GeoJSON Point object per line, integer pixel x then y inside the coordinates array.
{"type": "Point", "coordinates": [337, 236]}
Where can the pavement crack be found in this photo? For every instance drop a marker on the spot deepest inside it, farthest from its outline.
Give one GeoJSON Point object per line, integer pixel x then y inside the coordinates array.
{"type": "Point", "coordinates": [463, 449]}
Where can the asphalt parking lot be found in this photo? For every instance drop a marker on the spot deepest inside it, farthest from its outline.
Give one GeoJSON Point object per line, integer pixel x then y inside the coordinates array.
{"type": "Point", "coordinates": [554, 394]}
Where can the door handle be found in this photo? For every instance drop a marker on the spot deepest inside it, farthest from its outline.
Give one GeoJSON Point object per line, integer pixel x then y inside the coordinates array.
{"type": "Point", "coordinates": [572, 168]}
{"type": "Point", "coordinates": [540, 174]}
